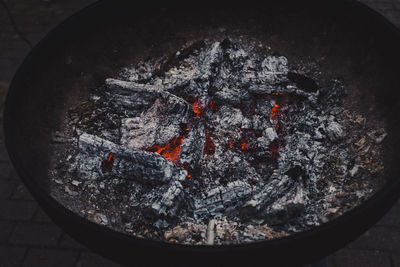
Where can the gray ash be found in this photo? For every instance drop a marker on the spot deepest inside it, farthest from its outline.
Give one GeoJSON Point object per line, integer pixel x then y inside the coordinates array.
{"type": "Point", "coordinates": [221, 142]}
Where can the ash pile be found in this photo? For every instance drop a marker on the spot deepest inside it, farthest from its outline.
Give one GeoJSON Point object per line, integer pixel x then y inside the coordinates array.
{"type": "Point", "coordinates": [222, 142]}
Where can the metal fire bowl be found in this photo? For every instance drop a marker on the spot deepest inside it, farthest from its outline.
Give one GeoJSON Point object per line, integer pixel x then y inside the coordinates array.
{"type": "Point", "coordinates": [355, 43]}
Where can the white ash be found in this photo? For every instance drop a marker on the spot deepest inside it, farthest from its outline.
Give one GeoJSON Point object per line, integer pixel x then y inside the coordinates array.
{"type": "Point", "coordinates": [258, 155]}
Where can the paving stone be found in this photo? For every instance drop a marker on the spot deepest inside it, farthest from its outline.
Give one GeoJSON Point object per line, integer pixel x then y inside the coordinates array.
{"type": "Point", "coordinates": [361, 258]}
{"type": "Point", "coordinates": [5, 230]}
{"type": "Point", "coordinates": [17, 210]}
{"type": "Point", "coordinates": [93, 260]}
{"type": "Point", "coordinates": [7, 187]}
{"type": "Point", "coordinates": [395, 260]}
{"type": "Point", "coordinates": [69, 242]}
{"type": "Point", "coordinates": [3, 88]}
{"type": "Point", "coordinates": [21, 193]}
{"type": "Point", "coordinates": [379, 238]}
{"type": "Point", "coordinates": [4, 19]}
{"type": "Point", "coordinates": [41, 216]}
{"type": "Point", "coordinates": [4, 158]}
{"type": "Point", "coordinates": [15, 50]}
{"type": "Point", "coordinates": [5, 169]}
{"type": "Point", "coordinates": [50, 258]}
{"type": "Point", "coordinates": [35, 234]}
{"type": "Point", "coordinates": [11, 256]}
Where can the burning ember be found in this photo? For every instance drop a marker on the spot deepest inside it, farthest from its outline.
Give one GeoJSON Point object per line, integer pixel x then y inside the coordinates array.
{"type": "Point", "coordinates": [275, 112]}
{"type": "Point", "coordinates": [244, 145]}
{"type": "Point", "coordinates": [170, 151]}
{"type": "Point", "coordinates": [197, 108]}
{"type": "Point", "coordinates": [106, 165]}
{"type": "Point", "coordinates": [269, 148]}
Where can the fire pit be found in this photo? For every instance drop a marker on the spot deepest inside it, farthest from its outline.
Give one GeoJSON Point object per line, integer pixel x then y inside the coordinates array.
{"type": "Point", "coordinates": [261, 130]}
{"type": "Point", "coordinates": [220, 142]}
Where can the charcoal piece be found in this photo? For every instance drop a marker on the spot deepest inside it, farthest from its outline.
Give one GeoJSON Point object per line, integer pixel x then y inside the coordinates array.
{"type": "Point", "coordinates": [223, 198]}
{"type": "Point", "coordinates": [263, 89]}
{"type": "Point", "coordinates": [273, 190]}
{"type": "Point", "coordinates": [124, 94]}
{"type": "Point", "coordinates": [164, 200]}
{"type": "Point", "coordinates": [193, 87]}
{"type": "Point", "coordinates": [274, 70]}
{"type": "Point", "coordinates": [141, 166]}
{"type": "Point", "coordinates": [155, 91]}
{"type": "Point", "coordinates": [157, 126]}
{"type": "Point", "coordinates": [228, 118]}
{"type": "Point", "coordinates": [192, 148]}
{"type": "Point", "coordinates": [260, 122]}
{"type": "Point", "coordinates": [286, 208]}
{"type": "Point", "coordinates": [233, 96]}
{"type": "Point", "coordinates": [270, 134]}
{"type": "Point", "coordinates": [174, 60]}
{"type": "Point", "coordinates": [211, 60]}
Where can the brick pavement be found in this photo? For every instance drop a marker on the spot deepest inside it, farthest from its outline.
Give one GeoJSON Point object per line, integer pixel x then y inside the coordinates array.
{"type": "Point", "coordinates": [27, 235]}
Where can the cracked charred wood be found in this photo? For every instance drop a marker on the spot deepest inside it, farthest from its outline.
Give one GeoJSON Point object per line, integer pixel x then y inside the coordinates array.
{"type": "Point", "coordinates": [141, 166]}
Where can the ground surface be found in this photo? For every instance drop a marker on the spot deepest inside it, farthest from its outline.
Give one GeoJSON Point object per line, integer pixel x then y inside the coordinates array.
{"type": "Point", "coordinates": [27, 235]}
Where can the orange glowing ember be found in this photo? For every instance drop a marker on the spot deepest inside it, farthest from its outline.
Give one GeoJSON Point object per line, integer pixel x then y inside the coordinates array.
{"type": "Point", "coordinates": [106, 165]}
{"type": "Point", "coordinates": [209, 147]}
{"type": "Point", "coordinates": [244, 145]}
{"type": "Point", "coordinates": [170, 151]}
{"type": "Point", "coordinates": [197, 108]}
{"type": "Point", "coordinates": [187, 168]}
{"type": "Point", "coordinates": [231, 143]}
{"type": "Point", "coordinates": [278, 93]}
{"type": "Point", "coordinates": [275, 111]}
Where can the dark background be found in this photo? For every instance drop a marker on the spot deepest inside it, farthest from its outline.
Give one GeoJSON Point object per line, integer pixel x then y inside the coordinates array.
{"type": "Point", "coordinates": [27, 235]}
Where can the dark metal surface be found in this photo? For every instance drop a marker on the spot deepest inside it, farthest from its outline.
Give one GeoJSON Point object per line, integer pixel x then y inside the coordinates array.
{"type": "Point", "coordinates": [360, 46]}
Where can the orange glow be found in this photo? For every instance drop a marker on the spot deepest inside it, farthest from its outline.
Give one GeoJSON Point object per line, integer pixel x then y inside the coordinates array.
{"type": "Point", "coordinates": [197, 108]}
{"type": "Point", "coordinates": [110, 157]}
{"type": "Point", "coordinates": [187, 168]}
{"type": "Point", "coordinates": [278, 93]}
{"type": "Point", "coordinates": [231, 143]}
{"type": "Point", "coordinates": [106, 165]}
{"type": "Point", "coordinates": [244, 145]}
{"type": "Point", "coordinates": [275, 111]}
{"type": "Point", "coordinates": [170, 151]}
{"type": "Point", "coordinates": [209, 147]}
